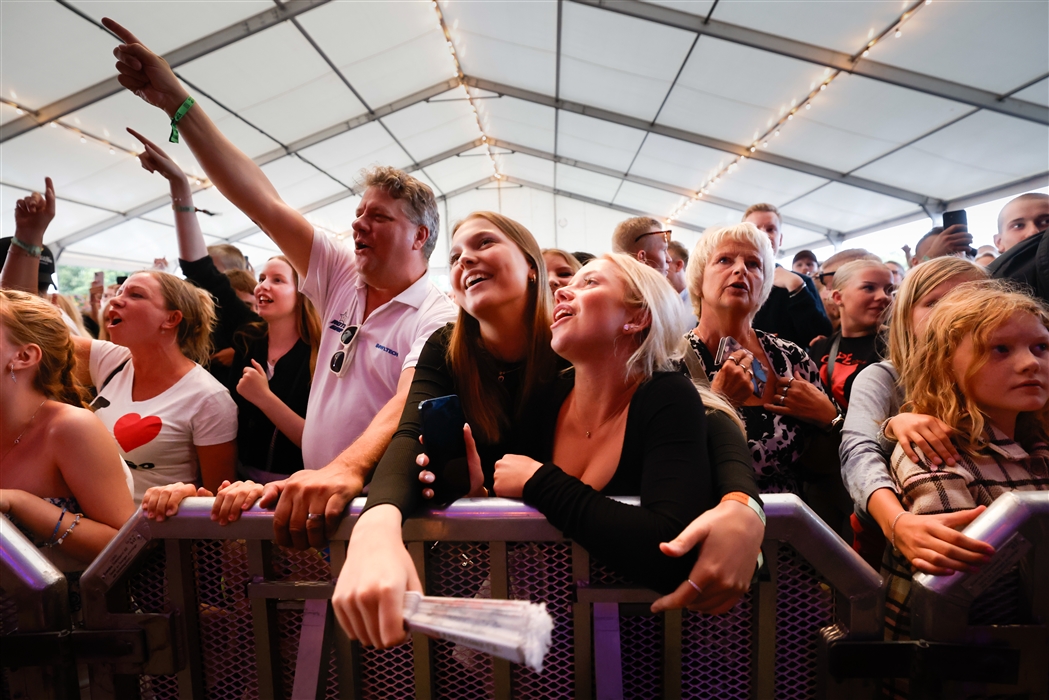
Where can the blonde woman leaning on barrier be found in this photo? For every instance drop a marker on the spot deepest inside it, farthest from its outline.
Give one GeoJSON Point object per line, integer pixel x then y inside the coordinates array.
{"type": "Point", "coordinates": [63, 482]}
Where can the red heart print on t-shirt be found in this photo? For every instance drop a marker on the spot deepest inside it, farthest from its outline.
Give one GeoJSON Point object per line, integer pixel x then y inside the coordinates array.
{"type": "Point", "coordinates": [132, 430]}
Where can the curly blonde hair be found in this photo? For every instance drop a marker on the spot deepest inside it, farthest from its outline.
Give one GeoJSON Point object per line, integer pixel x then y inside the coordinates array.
{"type": "Point", "coordinates": [29, 320]}
{"type": "Point", "coordinates": [972, 310]}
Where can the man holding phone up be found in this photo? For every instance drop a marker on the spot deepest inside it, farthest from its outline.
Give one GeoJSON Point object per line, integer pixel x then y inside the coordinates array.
{"type": "Point", "coordinates": [375, 299]}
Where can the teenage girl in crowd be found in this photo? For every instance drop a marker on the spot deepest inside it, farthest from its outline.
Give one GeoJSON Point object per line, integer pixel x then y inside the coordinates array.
{"type": "Point", "coordinates": [64, 483]}
{"type": "Point", "coordinates": [981, 365]}
{"type": "Point", "coordinates": [560, 266]}
{"type": "Point", "coordinates": [274, 352]}
{"type": "Point", "coordinates": [874, 425]}
{"type": "Point", "coordinates": [497, 356]}
{"type": "Point", "coordinates": [862, 292]}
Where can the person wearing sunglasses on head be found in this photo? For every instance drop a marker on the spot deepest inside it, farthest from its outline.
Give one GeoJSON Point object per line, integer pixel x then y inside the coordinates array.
{"type": "Point", "coordinates": [793, 310]}
{"type": "Point", "coordinates": [379, 284]}
{"type": "Point", "coordinates": [645, 239]}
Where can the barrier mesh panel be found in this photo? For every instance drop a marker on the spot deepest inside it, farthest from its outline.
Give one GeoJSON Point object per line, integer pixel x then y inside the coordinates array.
{"type": "Point", "coordinates": [804, 604]}
{"type": "Point", "coordinates": [294, 565]}
{"type": "Point", "coordinates": [148, 590]}
{"type": "Point", "coordinates": [541, 572]}
{"type": "Point", "coordinates": [601, 575]}
{"type": "Point", "coordinates": [289, 627]}
{"type": "Point", "coordinates": [1001, 603]}
{"type": "Point", "coordinates": [331, 691]}
{"type": "Point", "coordinates": [461, 570]}
{"type": "Point", "coordinates": [715, 653]}
{"type": "Point", "coordinates": [388, 674]}
{"type": "Point", "coordinates": [8, 614]}
{"type": "Point", "coordinates": [641, 647]}
{"type": "Point", "coordinates": [227, 640]}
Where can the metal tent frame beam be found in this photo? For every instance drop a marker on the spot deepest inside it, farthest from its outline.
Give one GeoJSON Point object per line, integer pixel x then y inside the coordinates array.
{"type": "Point", "coordinates": [1013, 188]}
{"type": "Point", "coordinates": [830, 58]}
{"type": "Point", "coordinates": [648, 182]}
{"type": "Point", "coordinates": [189, 52]}
{"type": "Point", "coordinates": [590, 200]}
{"type": "Point", "coordinates": [700, 140]}
{"type": "Point", "coordinates": [339, 196]}
{"type": "Point", "coordinates": [276, 154]}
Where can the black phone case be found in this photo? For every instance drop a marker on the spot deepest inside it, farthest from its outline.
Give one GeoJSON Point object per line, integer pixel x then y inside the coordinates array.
{"type": "Point", "coordinates": [442, 430]}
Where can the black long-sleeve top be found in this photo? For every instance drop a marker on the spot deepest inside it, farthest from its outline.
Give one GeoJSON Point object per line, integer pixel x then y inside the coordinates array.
{"type": "Point", "coordinates": [665, 461]}
{"type": "Point", "coordinates": [668, 459]}
{"type": "Point", "coordinates": [259, 443]}
{"type": "Point", "coordinates": [795, 316]}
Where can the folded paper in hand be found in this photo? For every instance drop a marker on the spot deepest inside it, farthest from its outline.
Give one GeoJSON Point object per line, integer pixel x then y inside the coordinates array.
{"type": "Point", "coordinates": [515, 630]}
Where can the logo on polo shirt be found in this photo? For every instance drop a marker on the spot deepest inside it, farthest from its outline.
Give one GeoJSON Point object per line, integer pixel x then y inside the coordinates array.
{"type": "Point", "coordinates": [339, 324]}
{"type": "Point", "coordinates": [387, 350]}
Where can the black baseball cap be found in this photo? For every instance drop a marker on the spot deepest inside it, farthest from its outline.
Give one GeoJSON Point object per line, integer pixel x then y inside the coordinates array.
{"type": "Point", "coordinates": [47, 262]}
{"type": "Point", "coordinates": [805, 255]}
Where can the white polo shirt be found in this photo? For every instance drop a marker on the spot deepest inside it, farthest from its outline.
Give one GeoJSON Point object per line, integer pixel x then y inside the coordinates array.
{"type": "Point", "coordinates": [388, 343]}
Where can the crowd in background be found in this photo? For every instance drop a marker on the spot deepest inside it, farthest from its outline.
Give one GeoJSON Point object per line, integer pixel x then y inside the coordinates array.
{"type": "Point", "coordinates": [898, 403]}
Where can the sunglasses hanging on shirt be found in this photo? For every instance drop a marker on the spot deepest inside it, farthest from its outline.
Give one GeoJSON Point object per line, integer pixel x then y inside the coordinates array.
{"type": "Point", "coordinates": [340, 361]}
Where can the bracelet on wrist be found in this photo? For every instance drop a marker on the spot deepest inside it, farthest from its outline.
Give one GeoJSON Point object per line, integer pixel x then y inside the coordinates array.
{"type": "Point", "coordinates": [34, 251]}
{"type": "Point", "coordinates": [892, 530]}
{"type": "Point", "coordinates": [179, 113]}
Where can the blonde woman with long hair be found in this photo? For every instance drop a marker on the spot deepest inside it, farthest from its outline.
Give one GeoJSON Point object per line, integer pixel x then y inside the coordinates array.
{"type": "Point", "coordinates": [63, 482]}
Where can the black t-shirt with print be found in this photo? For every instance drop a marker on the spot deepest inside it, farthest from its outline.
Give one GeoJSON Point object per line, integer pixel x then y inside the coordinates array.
{"type": "Point", "coordinates": [854, 354]}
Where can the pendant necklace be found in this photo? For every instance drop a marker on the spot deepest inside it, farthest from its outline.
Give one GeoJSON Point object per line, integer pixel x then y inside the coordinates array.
{"type": "Point", "coordinates": [29, 423]}
{"type": "Point", "coordinates": [610, 417]}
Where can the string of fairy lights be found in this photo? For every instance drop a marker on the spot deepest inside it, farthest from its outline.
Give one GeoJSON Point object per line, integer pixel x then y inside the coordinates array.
{"type": "Point", "coordinates": [443, 26]}
{"type": "Point", "coordinates": [86, 137]}
{"type": "Point", "coordinates": [829, 76]}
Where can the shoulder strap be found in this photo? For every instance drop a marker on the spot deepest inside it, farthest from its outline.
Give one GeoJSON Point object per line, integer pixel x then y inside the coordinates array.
{"type": "Point", "coordinates": [112, 374]}
{"type": "Point", "coordinates": [693, 364]}
{"type": "Point", "coordinates": [832, 357]}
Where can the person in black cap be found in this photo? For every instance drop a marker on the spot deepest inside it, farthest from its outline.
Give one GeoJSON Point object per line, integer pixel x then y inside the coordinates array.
{"type": "Point", "coordinates": [47, 264]}
{"type": "Point", "coordinates": [805, 263]}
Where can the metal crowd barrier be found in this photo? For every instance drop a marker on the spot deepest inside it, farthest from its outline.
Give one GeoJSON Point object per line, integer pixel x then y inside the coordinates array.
{"type": "Point", "coordinates": [203, 611]}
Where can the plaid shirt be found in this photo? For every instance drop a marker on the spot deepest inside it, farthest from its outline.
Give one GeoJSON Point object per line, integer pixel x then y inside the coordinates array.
{"type": "Point", "coordinates": [977, 480]}
{"type": "Point", "coordinates": [929, 489]}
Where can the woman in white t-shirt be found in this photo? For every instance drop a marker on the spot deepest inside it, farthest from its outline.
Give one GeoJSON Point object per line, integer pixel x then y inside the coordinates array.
{"type": "Point", "coordinates": [171, 419]}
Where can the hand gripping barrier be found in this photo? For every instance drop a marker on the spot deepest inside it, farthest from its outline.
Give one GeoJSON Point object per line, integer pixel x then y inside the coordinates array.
{"type": "Point", "coordinates": [254, 619]}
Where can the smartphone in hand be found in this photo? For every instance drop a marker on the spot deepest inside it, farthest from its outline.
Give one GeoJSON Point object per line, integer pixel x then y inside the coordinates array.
{"type": "Point", "coordinates": [442, 422]}
{"type": "Point", "coordinates": [729, 345]}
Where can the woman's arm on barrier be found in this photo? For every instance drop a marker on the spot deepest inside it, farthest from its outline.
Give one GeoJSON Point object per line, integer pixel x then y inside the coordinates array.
{"type": "Point", "coordinates": [369, 594]}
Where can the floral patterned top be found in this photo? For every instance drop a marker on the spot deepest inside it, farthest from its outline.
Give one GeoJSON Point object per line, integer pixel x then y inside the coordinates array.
{"type": "Point", "coordinates": [776, 442]}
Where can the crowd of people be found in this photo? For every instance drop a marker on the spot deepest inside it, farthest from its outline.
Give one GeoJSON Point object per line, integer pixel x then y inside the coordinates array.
{"type": "Point", "coordinates": [897, 402]}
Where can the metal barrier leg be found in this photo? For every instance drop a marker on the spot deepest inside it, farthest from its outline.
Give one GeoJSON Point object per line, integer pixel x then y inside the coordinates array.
{"type": "Point", "coordinates": [608, 660]}
{"type": "Point", "coordinates": [311, 663]}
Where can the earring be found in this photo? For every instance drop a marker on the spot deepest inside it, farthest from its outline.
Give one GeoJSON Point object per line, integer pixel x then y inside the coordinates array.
{"type": "Point", "coordinates": [531, 279]}
{"type": "Point", "coordinates": [626, 326]}
{"type": "Point", "coordinates": [13, 379]}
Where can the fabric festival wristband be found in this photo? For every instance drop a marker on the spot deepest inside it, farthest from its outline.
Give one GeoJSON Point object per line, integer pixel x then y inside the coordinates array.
{"type": "Point", "coordinates": [747, 501]}
{"type": "Point", "coordinates": [178, 115]}
{"type": "Point", "coordinates": [32, 250]}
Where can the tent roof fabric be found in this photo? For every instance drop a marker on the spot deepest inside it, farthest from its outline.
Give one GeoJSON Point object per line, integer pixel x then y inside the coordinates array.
{"type": "Point", "coordinates": [567, 115]}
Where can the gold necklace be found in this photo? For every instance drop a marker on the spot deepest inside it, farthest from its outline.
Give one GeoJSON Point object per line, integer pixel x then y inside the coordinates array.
{"type": "Point", "coordinates": [611, 416]}
{"type": "Point", "coordinates": [28, 423]}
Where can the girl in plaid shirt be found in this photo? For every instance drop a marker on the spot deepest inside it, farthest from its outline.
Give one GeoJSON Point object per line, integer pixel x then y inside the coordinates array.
{"type": "Point", "coordinates": [982, 366]}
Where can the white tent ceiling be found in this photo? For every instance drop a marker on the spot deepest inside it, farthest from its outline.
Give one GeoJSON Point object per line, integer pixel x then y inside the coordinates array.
{"type": "Point", "coordinates": [591, 110]}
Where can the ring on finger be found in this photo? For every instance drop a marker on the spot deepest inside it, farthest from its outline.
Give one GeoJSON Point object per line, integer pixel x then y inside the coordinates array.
{"type": "Point", "coordinates": [790, 381]}
{"type": "Point", "coordinates": [734, 359]}
{"type": "Point", "coordinates": [314, 518]}
{"type": "Point", "coordinates": [779, 400]}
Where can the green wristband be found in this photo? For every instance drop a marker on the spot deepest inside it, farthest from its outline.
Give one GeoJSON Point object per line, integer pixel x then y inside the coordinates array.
{"type": "Point", "coordinates": [178, 115]}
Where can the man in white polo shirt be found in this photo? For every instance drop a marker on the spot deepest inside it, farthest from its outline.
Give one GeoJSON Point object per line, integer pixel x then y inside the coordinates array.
{"type": "Point", "coordinates": [376, 302]}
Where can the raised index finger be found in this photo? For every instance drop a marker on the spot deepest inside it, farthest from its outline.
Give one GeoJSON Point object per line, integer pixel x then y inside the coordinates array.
{"type": "Point", "coordinates": [125, 36]}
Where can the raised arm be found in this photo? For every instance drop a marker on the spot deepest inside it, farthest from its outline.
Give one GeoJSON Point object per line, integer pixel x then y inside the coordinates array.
{"type": "Point", "coordinates": [235, 175]}
{"type": "Point", "coordinates": [191, 245]}
{"type": "Point", "coordinates": [32, 215]}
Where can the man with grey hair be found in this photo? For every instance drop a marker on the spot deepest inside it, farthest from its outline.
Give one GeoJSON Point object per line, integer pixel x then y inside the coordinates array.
{"type": "Point", "coordinates": [645, 239]}
{"type": "Point", "coordinates": [376, 302]}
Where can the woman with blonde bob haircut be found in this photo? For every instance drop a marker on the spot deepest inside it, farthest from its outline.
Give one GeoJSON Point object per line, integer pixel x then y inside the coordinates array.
{"type": "Point", "coordinates": [981, 365]}
{"type": "Point", "coordinates": [173, 421]}
{"type": "Point", "coordinates": [730, 275]}
{"type": "Point", "coordinates": [64, 483]}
